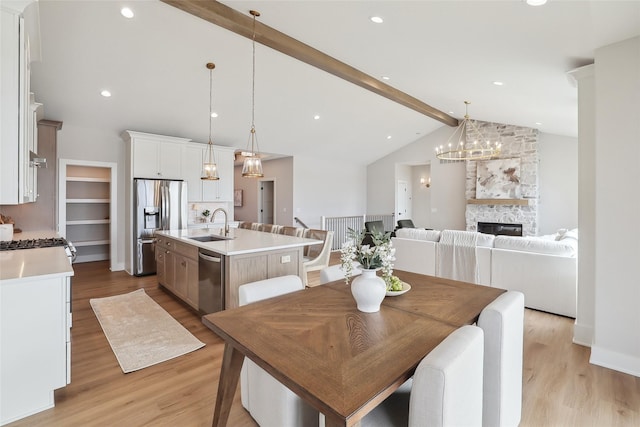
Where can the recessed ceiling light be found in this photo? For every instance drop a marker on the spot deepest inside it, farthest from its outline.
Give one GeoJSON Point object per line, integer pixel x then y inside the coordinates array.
{"type": "Point", "coordinates": [316, 117]}
{"type": "Point", "coordinates": [105, 93]}
{"type": "Point", "coordinates": [386, 78]}
{"type": "Point", "coordinates": [536, 2]}
{"type": "Point", "coordinates": [388, 136]}
{"type": "Point", "coordinates": [214, 114]}
{"type": "Point", "coordinates": [377, 19]}
{"type": "Point", "coordinates": [498, 83]}
{"type": "Point", "coordinates": [451, 112]}
{"type": "Point", "coordinates": [126, 12]}
{"type": "Point", "coordinates": [538, 123]}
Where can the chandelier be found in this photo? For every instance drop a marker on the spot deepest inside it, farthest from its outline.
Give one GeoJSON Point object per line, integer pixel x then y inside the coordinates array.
{"type": "Point", "coordinates": [463, 151]}
{"type": "Point", "coordinates": [209, 166]}
{"type": "Point", "coordinates": [252, 166]}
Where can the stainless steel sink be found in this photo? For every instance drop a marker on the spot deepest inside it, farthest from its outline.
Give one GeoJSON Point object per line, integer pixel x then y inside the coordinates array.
{"type": "Point", "coordinates": [210, 238]}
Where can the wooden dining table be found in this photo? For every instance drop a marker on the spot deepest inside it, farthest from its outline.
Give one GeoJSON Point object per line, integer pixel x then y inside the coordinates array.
{"type": "Point", "coordinates": [341, 361]}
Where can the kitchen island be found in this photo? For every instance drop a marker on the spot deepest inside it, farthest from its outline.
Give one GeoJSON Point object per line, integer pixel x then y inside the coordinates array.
{"type": "Point", "coordinates": [244, 256]}
{"type": "Point", "coordinates": [35, 322]}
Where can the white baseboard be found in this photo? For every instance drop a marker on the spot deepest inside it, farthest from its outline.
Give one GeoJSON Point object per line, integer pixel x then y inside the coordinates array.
{"type": "Point", "coordinates": [582, 334]}
{"type": "Point", "coordinates": [119, 266]}
{"type": "Point", "coordinates": [616, 361]}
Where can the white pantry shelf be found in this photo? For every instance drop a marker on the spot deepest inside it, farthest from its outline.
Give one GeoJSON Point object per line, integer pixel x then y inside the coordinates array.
{"type": "Point", "coordinates": [91, 243]}
{"type": "Point", "coordinates": [88, 201]}
{"type": "Point", "coordinates": [88, 221]}
{"type": "Point", "coordinates": [87, 209]}
{"type": "Point", "coordinates": [86, 179]}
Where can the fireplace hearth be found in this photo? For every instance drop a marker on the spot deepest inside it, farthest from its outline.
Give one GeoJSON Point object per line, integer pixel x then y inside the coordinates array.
{"type": "Point", "coordinates": [498, 228]}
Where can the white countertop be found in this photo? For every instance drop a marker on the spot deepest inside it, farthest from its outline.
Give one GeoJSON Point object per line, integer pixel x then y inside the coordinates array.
{"type": "Point", "coordinates": [38, 234]}
{"type": "Point", "coordinates": [240, 241]}
{"type": "Point", "coordinates": [28, 263]}
{"type": "Point", "coordinates": [212, 224]}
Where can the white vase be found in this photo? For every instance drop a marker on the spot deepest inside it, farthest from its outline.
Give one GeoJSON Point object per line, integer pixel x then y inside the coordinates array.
{"type": "Point", "coordinates": [368, 290]}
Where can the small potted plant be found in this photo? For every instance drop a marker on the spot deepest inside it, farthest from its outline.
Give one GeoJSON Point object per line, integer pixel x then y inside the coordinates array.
{"type": "Point", "coordinates": [205, 214]}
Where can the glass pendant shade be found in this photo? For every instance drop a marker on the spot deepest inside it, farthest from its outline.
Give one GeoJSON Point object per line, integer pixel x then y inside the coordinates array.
{"type": "Point", "coordinates": [252, 165]}
{"type": "Point", "coordinates": [209, 166]}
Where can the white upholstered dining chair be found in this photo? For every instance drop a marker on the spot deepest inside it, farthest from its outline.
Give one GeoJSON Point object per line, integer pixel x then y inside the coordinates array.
{"type": "Point", "coordinates": [268, 401]}
{"type": "Point", "coordinates": [335, 272]}
{"type": "Point", "coordinates": [503, 324]}
{"type": "Point", "coordinates": [446, 389]}
{"type": "Point", "coordinates": [316, 257]}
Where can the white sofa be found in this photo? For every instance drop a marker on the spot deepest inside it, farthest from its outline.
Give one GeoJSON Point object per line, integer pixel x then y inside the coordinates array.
{"type": "Point", "coordinates": [416, 250]}
{"type": "Point", "coordinates": [420, 251]}
{"type": "Point", "coordinates": [543, 268]}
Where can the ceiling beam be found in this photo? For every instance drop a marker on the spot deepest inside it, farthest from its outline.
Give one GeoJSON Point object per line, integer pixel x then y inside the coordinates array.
{"type": "Point", "coordinates": [230, 19]}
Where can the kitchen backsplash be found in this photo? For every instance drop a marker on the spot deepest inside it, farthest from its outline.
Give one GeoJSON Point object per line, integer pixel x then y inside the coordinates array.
{"type": "Point", "coordinates": [195, 210]}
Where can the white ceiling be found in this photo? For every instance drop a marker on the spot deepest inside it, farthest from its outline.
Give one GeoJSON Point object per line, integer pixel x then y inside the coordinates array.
{"type": "Point", "coordinates": [441, 52]}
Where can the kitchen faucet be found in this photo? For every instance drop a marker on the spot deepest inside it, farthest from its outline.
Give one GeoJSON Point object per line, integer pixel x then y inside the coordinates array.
{"type": "Point", "coordinates": [226, 221]}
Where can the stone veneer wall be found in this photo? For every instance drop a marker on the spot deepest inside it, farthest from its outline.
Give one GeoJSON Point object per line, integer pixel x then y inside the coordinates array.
{"type": "Point", "coordinates": [519, 142]}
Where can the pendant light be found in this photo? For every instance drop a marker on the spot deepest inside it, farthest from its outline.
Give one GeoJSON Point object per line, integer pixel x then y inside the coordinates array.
{"type": "Point", "coordinates": [209, 166]}
{"type": "Point", "coordinates": [252, 166]}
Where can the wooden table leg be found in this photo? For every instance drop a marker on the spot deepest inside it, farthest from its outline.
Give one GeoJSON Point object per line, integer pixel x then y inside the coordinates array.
{"type": "Point", "coordinates": [229, 374]}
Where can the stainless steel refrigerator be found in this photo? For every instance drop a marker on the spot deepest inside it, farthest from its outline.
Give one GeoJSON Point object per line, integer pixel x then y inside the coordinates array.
{"type": "Point", "coordinates": [160, 204]}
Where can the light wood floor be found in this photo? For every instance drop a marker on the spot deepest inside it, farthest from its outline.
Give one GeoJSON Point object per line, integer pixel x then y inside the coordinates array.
{"type": "Point", "coordinates": [560, 387]}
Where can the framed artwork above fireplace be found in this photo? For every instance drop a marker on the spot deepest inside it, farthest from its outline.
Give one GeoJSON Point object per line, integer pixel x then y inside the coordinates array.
{"type": "Point", "coordinates": [498, 179]}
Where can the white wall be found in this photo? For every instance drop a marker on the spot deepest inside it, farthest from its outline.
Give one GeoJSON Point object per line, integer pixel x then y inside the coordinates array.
{"type": "Point", "coordinates": [617, 293]}
{"type": "Point", "coordinates": [558, 183]}
{"type": "Point", "coordinates": [585, 316]}
{"type": "Point", "coordinates": [447, 181]}
{"type": "Point", "coordinates": [281, 172]}
{"type": "Point", "coordinates": [327, 187]}
{"type": "Point", "coordinates": [421, 198]}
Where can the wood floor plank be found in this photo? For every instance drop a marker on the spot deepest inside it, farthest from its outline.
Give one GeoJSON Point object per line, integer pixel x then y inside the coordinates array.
{"type": "Point", "coordinates": [560, 387]}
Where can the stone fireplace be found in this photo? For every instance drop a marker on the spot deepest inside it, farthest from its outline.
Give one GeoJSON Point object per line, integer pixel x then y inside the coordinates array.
{"type": "Point", "coordinates": [517, 142]}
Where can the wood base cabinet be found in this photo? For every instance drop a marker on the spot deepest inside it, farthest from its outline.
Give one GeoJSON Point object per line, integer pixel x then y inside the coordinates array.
{"type": "Point", "coordinates": [247, 268]}
{"type": "Point", "coordinates": [177, 269]}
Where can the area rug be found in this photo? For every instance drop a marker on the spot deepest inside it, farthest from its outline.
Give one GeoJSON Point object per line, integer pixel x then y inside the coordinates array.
{"type": "Point", "coordinates": [140, 332]}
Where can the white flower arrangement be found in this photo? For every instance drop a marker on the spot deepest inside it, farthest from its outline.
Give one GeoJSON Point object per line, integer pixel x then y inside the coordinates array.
{"type": "Point", "coordinates": [380, 255]}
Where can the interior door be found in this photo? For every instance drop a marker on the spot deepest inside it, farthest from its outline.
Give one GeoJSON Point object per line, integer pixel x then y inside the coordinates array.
{"type": "Point", "coordinates": [403, 201]}
{"type": "Point", "coordinates": [266, 205]}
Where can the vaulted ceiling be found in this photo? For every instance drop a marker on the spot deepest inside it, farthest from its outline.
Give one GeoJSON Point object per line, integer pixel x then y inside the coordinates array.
{"type": "Point", "coordinates": [441, 52]}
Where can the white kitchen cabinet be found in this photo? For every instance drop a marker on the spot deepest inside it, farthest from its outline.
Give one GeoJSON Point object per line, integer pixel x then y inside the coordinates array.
{"type": "Point", "coordinates": [192, 166]}
{"type": "Point", "coordinates": [155, 156]}
{"type": "Point", "coordinates": [18, 110]}
{"type": "Point", "coordinates": [35, 341]}
{"type": "Point", "coordinates": [205, 190]}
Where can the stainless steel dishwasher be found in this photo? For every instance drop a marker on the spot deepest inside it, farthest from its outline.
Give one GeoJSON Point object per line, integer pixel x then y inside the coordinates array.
{"type": "Point", "coordinates": [210, 282]}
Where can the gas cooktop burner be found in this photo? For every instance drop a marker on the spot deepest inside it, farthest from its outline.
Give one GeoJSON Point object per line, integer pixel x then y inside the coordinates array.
{"type": "Point", "coordinates": [33, 244]}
